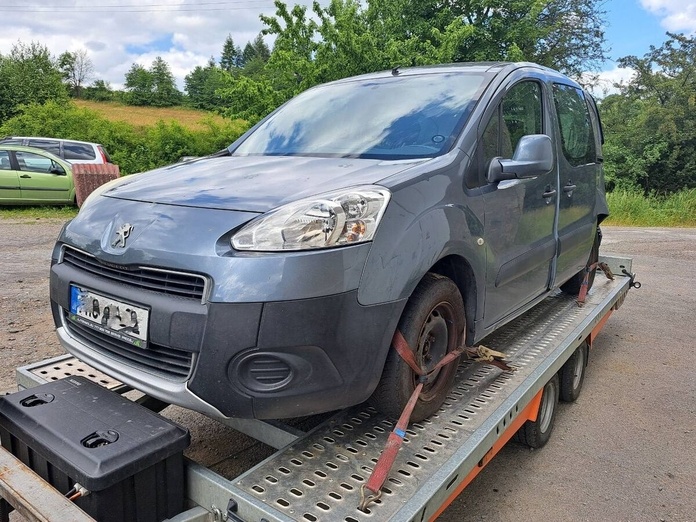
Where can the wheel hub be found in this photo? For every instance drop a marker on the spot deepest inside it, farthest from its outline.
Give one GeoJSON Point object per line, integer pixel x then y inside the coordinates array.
{"type": "Point", "coordinates": [435, 341]}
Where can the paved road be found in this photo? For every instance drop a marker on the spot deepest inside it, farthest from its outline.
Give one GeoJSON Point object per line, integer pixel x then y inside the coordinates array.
{"type": "Point", "coordinates": [623, 452]}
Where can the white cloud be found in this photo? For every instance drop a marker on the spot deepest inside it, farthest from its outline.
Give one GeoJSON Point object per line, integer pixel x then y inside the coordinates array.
{"type": "Point", "coordinates": [117, 38]}
{"type": "Point", "coordinates": [606, 81]}
{"type": "Point", "coordinates": [676, 15]}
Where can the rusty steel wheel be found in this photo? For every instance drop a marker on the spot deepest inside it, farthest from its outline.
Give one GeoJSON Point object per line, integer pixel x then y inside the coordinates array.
{"type": "Point", "coordinates": [432, 323]}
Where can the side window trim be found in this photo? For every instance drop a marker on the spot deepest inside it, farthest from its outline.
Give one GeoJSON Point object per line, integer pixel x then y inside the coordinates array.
{"type": "Point", "coordinates": [590, 156]}
{"type": "Point", "coordinates": [480, 155]}
{"type": "Point", "coordinates": [594, 111]}
{"type": "Point", "coordinates": [541, 93]}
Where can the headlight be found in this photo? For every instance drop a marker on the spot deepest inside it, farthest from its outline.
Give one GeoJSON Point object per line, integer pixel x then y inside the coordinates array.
{"type": "Point", "coordinates": [339, 218]}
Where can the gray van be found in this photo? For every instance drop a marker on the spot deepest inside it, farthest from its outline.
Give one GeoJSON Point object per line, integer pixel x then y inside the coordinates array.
{"type": "Point", "coordinates": [268, 281]}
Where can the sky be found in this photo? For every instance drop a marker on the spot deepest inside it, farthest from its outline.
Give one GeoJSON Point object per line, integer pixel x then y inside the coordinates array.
{"type": "Point", "coordinates": [186, 33]}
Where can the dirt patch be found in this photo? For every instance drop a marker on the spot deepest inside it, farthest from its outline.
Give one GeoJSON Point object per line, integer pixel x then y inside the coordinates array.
{"type": "Point", "coordinates": [26, 325]}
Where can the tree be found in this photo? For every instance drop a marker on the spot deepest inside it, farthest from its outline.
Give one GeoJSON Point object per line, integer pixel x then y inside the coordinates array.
{"type": "Point", "coordinates": [154, 86]}
{"type": "Point", "coordinates": [249, 99]}
{"type": "Point", "coordinates": [165, 93]}
{"type": "Point", "coordinates": [230, 57]}
{"type": "Point", "coordinates": [202, 84]}
{"type": "Point", "coordinates": [650, 127]}
{"type": "Point", "coordinates": [100, 90]}
{"type": "Point", "coordinates": [255, 56]}
{"type": "Point", "coordinates": [348, 37]}
{"type": "Point", "coordinates": [261, 50]}
{"type": "Point", "coordinates": [564, 34]}
{"type": "Point", "coordinates": [139, 84]}
{"type": "Point", "coordinates": [77, 69]}
{"type": "Point", "coordinates": [28, 75]}
{"type": "Point", "coordinates": [567, 35]}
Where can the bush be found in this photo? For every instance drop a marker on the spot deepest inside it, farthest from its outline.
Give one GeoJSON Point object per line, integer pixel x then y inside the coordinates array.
{"type": "Point", "coordinates": [134, 149]}
{"type": "Point", "coordinates": [632, 208]}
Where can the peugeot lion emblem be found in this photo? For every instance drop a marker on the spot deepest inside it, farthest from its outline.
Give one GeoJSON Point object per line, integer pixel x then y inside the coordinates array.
{"type": "Point", "coordinates": [122, 234]}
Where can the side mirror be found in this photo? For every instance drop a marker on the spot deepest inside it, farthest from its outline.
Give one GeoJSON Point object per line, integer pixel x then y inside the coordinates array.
{"type": "Point", "coordinates": [533, 157]}
{"type": "Point", "coordinates": [57, 169]}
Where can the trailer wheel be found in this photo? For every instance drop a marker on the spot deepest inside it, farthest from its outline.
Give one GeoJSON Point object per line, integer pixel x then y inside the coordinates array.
{"type": "Point", "coordinates": [573, 285]}
{"type": "Point", "coordinates": [432, 323]}
{"type": "Point", "coordinates": [572, 374]}
{"type": "Point", "coordinates": [537, 433]}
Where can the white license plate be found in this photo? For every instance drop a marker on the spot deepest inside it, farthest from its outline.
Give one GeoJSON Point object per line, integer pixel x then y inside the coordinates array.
{"type": "Point", "coordinates": [122, 321]}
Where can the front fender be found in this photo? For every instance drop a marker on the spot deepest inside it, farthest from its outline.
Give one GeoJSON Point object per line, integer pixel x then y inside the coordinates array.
{"type": "Point", "coordinates": [421, 226]}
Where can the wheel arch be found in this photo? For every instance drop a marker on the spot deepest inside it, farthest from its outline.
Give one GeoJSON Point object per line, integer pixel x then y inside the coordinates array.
{"type": "Point", "coordinates": [459, 270]}
{"type": "Point", "coordinates": [410, 244]}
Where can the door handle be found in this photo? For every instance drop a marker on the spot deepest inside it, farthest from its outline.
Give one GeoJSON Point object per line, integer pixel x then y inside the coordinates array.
{"type": "Point", "coordinates": [25, 176]}
{"type": "Point", "coordinates": [569, 188]}
{"type": "Point", "coordinates": [549, 193]}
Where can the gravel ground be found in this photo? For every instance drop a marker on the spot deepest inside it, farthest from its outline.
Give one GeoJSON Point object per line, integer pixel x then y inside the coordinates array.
{"type": "Point", "coordinates": [623, 452]}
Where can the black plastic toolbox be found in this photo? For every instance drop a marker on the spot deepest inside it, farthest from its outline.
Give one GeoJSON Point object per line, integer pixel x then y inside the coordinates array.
{"type": "Point", "coordinates": [74, 431]}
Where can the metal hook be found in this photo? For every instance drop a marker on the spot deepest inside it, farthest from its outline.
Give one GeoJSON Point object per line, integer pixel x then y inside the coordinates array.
{"type": "Point", "coordinates": [366, 500]}
{"type": "Point", "coordinates": [632, 283]}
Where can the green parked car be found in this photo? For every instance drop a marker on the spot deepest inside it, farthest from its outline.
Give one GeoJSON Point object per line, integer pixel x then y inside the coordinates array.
{"type": "Point", "coordinates": [30, 176]}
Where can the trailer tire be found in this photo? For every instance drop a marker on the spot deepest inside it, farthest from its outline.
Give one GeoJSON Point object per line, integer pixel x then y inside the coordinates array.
{"type": "Point", "coordinates": [573, 285]}
{"type": "Point", "coordinates": [572, 374]}
{"type": "Point", "coordinates": [432, 323]}
{"type": "Point", "coordinates": [536, 434]}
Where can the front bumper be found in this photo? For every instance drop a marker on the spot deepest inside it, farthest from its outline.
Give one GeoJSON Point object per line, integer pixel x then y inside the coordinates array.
{"type": "Point", "coordinates": [273, 359]}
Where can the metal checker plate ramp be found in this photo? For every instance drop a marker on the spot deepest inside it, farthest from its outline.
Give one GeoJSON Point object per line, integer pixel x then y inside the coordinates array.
{"type": "Point", "coordinates": [69, 366]}
{"type": "Point", "coordinates": [318, 477]}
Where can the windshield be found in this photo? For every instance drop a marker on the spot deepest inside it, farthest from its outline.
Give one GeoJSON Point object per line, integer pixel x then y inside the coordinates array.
{"type": "Point", "coordinates": [388, 118]}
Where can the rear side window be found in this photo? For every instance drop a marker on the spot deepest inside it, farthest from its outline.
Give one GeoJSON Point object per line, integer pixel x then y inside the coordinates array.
{"type": "Point", "coordinates": [52, 146]}
{"type": "Point", "coordinates": [11, 141]}
{"type": "Point", "coordinates": [78, 151]}
{"type": "Point", "coordinates": [577, 135]}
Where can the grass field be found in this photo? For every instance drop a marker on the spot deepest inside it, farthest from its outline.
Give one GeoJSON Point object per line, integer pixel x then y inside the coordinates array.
{"type": "Point", "coordinates": [635, 210]}
{"type": "Point", "coordinates": [37, 213]}
{"type": "Point", "coordinates": [145, 116]}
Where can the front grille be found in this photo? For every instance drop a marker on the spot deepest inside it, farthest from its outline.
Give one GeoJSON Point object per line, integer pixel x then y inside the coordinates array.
{"type": "Point", "coordinates": [178, 284]}
{"type": "Point", "coordinates": [168, 363]}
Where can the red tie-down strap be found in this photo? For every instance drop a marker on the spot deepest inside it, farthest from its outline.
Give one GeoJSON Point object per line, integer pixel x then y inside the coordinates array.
{"type": "Point", "coordinates": [372, 490]}
{"type": "Point", "coordinates": [584, 286]}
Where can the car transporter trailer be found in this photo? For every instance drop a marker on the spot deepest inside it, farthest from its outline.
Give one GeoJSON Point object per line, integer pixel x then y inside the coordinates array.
{"type": "Point", "coordinates": [317, 476]}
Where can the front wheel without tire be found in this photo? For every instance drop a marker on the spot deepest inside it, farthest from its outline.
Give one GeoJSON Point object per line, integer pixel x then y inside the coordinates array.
{"type": "Point", "coordinates": [432, 323]}
{"type": "Point", "coordinates": [537, 433]}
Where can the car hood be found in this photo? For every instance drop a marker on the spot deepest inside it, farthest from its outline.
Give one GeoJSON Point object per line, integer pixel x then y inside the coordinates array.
{"type": "Point", "coordinates": [252, 183]}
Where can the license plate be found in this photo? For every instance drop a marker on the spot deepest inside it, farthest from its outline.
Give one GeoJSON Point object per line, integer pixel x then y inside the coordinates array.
{"type": "Point", "coordinates": [122, 321]}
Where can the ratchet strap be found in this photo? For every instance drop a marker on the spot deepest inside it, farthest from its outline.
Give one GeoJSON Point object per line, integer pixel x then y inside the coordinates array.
{"type": "Point", "coordinates": [584, 286]}
{"type": "Point", "coordinates": [372, 490]}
